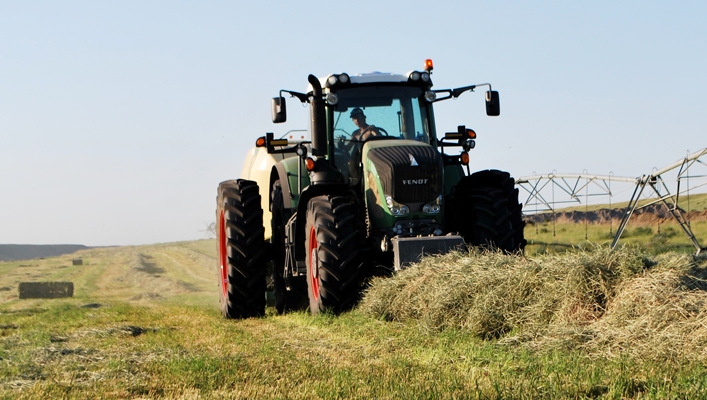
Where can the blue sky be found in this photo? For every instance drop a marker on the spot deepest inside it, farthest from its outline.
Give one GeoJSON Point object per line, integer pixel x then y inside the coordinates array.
{"type": "Point", "coordinates": [118, 119]}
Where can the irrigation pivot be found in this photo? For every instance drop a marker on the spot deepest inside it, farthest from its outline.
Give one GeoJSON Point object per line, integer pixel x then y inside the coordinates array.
{"type": "Point", "coordinates": [683, 176]}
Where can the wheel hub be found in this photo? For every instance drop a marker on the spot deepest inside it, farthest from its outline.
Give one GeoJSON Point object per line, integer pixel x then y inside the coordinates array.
{"type": "Point", "coordinates": [314, 263]}
{"type": "Point", "coordinates": [223, 254]}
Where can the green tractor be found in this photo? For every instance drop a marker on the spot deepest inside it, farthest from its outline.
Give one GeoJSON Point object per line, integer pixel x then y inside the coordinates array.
{"type": "Point", "coordinates": [374, 188]}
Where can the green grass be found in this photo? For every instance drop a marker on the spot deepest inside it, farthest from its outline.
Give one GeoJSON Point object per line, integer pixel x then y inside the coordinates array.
{"type": "Point", "coordinates": [129, 333]}
{"type": "Point", "coordinates": [71, 352]}
{"type": "Point", "coordinates": [549, 236]}
{"type": "Point", "coordinates": [656, 237]}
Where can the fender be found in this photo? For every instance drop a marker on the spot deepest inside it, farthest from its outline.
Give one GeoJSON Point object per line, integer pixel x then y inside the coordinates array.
{"type": "Point", "coordinates": [258, 166]}
{"type": "Point", "coordinates": [287, 171]}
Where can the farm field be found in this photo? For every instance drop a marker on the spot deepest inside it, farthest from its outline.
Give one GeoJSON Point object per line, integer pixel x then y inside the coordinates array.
{"type": "Point", "coordinates": [654, 238]}
{"type": "Point", "coordinates": [144, 323]}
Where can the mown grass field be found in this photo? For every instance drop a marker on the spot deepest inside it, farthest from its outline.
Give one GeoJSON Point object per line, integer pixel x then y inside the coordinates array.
{"type": "Point", "coordinates": [656, 237]}
{"type": "Point", "coordinates": [668, 236]}
{"type": "Point", "coordinates": [144, 323]}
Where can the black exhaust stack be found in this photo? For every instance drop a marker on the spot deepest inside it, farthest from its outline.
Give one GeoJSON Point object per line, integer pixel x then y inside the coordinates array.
{"type": "Point", "coordinates": [319, 142]}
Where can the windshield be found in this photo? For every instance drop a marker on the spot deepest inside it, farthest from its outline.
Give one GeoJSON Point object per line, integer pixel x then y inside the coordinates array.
{"type": "Point", "coordinates": [373, 113]}
{"type": "Point", "coordinates": [396, 112]}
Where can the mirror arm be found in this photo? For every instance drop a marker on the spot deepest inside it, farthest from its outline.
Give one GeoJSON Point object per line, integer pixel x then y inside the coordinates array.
{"type": "Point", "coordinates": [448, 93]}
{"type": "Point", "coordinates": [458, 91]}
{"type": "Point", "coordinates": [303, 98]}
{"type": "Point", "coordinates": [454, 93]}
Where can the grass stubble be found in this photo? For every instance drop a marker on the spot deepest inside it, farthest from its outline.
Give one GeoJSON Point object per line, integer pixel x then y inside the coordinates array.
{"type": "Point", "coordinates": [589, 323]}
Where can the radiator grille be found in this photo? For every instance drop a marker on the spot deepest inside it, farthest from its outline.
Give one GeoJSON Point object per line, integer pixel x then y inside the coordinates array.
{"type": "Point", "coordinates": [410, 174]}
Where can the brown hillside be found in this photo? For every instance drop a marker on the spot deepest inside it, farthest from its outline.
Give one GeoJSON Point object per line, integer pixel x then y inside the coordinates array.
{"type": "Point", "coordinates": [657, 213]}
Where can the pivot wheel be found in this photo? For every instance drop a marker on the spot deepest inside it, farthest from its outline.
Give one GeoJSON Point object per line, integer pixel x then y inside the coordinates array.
{"type": "Point", "coordinates": [332, 270]}
{"type": "Point", "coordinates": [241, 249]}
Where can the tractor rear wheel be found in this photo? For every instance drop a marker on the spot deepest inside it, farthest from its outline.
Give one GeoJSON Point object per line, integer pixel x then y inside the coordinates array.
{"type": "Point", "coordinates": [331, 243]}
{"type": "Point", "coordinates": [487, 212]}
{"type": "Point", "coordinates": [241, 249]}
{"type": "Point", "coordinates": [296, 297]}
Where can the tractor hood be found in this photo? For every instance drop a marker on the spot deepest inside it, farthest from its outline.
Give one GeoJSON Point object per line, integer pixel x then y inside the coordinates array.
{"type": "Point", "coordinates": [408, 171]}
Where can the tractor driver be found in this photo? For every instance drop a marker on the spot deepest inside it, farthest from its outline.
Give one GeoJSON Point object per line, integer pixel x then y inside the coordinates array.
{"type": "Point", "coordinates": [364, 131]}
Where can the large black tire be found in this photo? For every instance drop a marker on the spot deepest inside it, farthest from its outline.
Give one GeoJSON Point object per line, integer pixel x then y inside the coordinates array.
{"type": "Point", "coordinates": [485, 222]}
{"type": "Point", "coordinates": [502, 180]}
{"type": "Point", "coordinates": [333, 272]}
{"type": "Point", "coordinates": [487, 213]}
{"type": "Point", "coordinates": [241, 249]}
{"type": "Point", "coordinates": [296, 297]}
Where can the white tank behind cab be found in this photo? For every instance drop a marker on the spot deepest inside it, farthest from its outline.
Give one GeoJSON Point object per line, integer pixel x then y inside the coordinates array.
{"type": "Point", "coordinates": [257, 167]}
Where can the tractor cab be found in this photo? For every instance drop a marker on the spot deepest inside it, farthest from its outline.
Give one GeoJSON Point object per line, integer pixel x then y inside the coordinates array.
{"type": "Point", "coordinates": [360, 113]}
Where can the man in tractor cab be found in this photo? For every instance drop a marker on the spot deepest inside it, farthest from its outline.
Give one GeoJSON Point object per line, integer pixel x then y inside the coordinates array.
{"type": "Point", "coordinates": [364, 131]}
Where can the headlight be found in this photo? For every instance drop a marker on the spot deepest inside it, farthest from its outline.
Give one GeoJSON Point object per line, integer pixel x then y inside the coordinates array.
{"type": "Point", "coordinates": [434, 207]}
{"type": "Point", "coordinates": [339, 79]}
{"type": "Point", "coordinates": [430, 96]}
{"type": "Point", "coordinates": [332, 99]}
{"type": "Point", "coordinates": [425, 76]}
{"type": "Point", "coordinates": [396, 208]}
{"type": "Point", "coordinates": [415, 76]}
{"type": "Point", "coordinates": [431, 208]}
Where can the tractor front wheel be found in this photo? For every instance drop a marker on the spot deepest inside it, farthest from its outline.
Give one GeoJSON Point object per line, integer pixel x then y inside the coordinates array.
{"type": "Point", "coordinates": [486, 212]}
{"type": "Point", "coordinates": [504, 181]}
{"type": "Point", "coordinates": [485, 222]}
{"type": "Point", "coordinates": [332, 269]}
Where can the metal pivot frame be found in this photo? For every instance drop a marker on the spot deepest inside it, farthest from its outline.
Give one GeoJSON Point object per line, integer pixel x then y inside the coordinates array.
{"type": "Point", "coordinates": [573, 184]}
{"type": "Point", "coordinates": [659, 187]}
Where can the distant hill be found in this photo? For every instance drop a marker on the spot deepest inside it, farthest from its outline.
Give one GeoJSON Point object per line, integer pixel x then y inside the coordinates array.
{"type": "Point", "coordinates": [655, 213]}
{"type": "Point", "coordinates": [13, 252]}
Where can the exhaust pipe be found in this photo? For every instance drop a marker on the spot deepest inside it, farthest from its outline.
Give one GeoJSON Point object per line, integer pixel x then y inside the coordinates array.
{"type": "Point", "coordinates": [318, 116]}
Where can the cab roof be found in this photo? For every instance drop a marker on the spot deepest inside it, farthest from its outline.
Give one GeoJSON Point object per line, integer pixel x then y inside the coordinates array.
{"type": "Point", "coordinates": [370, 77]}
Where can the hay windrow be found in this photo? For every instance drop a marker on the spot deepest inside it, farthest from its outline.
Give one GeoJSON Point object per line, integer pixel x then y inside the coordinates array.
{"type": "Point", "coordinates": [607, 302]}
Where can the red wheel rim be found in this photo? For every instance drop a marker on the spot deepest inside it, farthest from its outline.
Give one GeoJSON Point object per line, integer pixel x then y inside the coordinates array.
{"type": "Point", "coordinates": [313, 263]}
{"type": "Point", "coordinates": [223, 255]}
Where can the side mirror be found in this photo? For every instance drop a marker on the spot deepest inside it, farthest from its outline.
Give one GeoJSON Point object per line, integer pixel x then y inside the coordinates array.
{"type": "Point", "coordinates": [279, 110]}
{"type": "Point", "coordinates": [493, 105]}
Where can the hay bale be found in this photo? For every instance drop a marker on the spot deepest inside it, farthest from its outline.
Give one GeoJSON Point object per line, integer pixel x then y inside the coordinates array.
{"type": "Point", "coordinates": [46, 290]}
{"type": "Point", "coordinates": [77, 261]}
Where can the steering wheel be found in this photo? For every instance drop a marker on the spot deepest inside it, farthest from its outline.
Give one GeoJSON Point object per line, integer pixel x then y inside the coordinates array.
{"type": "Point", "coordinates": [342, 130]}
